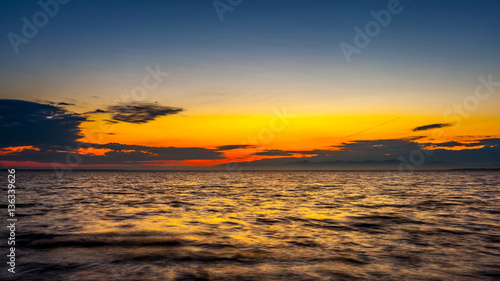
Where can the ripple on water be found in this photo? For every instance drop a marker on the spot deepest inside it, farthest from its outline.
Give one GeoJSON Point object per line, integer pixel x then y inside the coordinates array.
{"type": "Point", "coordinates": [259, 226]}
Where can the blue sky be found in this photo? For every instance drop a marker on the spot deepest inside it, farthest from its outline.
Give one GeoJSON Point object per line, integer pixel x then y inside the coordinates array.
{"type": "Point", "coordinates": [433, 49]}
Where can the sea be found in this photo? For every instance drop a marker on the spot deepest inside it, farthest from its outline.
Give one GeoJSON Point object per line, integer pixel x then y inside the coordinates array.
{"type": "Point", "coordinates": [254, 225]}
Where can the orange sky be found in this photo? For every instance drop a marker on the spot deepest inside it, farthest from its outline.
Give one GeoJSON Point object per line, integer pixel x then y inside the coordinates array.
{"type": "Point", "coordinates": [297, 133]}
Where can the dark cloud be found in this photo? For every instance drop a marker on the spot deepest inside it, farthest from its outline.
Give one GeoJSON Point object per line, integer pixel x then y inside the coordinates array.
{"type": "Point", "coordinates": [450, 144]}
{"type": "Point", "coordinates": [275, 152]}
{"type": "Point", "coordinates": [136, 112]}
{"type": "Point", "coordinates": [25, 123]}
{"type": "Point", "coordinates": [487, 156]}
{"type": "Point", "coordinates": [493, 142]}
{"type": "Point", "coordinates": [415, 138]}
{"type": "Point", "coordinates": [64, 104]}
{"type": "Point", "coordinates": [431, 126]}
{"type": "Point", "coordinates": [96, 111]}
{"type": "Point", "coordinates": [161, 153]}
{"type": "Point", "coordinates": [359, 150]}
{"type": "Point", "coordinates": [59, 103]}
{"type": "Point", "coordinates": [385, 154]}
{"type": "Point", "coordinates": [119, 154]}
{"type": "Point", "coordinates": [231, 147]}
{"type": "Point", "coordinates": [54, 131]}
{"type": "Point", "coordinates": [371, 149]}
{"type": "Point", "coordinates": [140, 112]}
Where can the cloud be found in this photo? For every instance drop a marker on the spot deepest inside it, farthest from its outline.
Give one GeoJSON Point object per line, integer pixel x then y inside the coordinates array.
{"type": "Point", "coordinates": [160, 153]}
{"type": "Point", "coordinates": [59, 103]}
{"type": "Point", "coordinates": [450, 144]}
{"type": "Point", "coordinates": [371, 149]}
{"type": "Point", "coordinates": [140, 112]}
{"type": "Point", "coordinates": [96, 111]}
{"type": "Point", "coordinates": [359, 150]}
{"type": "Point", "coordinates": [54, 132]}
{"type": "Point", "coordinates": [489, 142]}
{"type": "Point", "coordinates": [25, 123]}
{"type": "Point", "coordinates": [431, 126]}
{"type": "Point", "coordinates": [386, 154]}
{"type": "Point", "coordinates": [492, 142]}
{"type": "Point", "coordinates": [136, 112]}
{"type": "Point", "coordinates": [116, 154]}
{"type": "Point", "coordinates": [64, 104]}
{"type": "Point", "coordinates": [234, 146]}
{"type": "Point", "coordinates": [275, 152]}
{"type": "Point", "coordinates": [486, 156]}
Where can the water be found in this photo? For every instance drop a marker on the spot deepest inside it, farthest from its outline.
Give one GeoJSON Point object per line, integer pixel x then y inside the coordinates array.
{"type": "Point", "coordinates": [257, 226]}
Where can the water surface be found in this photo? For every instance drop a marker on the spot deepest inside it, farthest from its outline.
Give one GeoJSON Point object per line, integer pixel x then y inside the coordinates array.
{"type": "Point", "coordinates": [258, 226]}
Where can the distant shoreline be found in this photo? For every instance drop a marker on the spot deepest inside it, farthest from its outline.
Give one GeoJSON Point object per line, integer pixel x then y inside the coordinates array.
{"type": "Point", "coordinates": [254, 170]}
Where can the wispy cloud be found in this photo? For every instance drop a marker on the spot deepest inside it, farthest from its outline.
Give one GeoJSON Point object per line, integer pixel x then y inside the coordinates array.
{"type": "Point", "coordinates": [431, 126]}
{"type": "Point", "coordinates": [278, 152]}
{"type": "Point", "coordinates": [60, 103]}
{"type": "Point", "coordinates": [234, 146]}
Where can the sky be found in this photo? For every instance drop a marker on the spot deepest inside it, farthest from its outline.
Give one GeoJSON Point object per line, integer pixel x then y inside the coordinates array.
{"type": "Point", "coordinates": [287, 84]}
